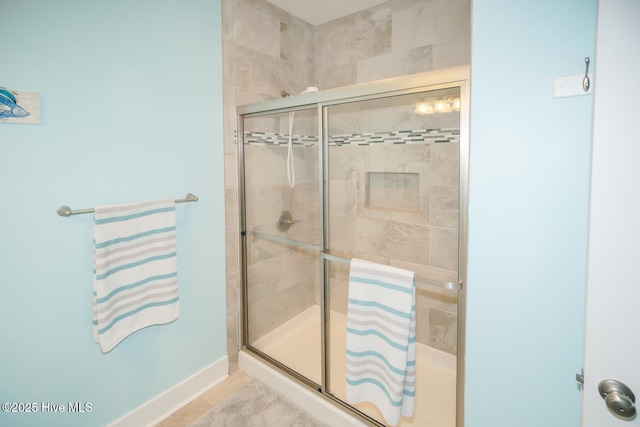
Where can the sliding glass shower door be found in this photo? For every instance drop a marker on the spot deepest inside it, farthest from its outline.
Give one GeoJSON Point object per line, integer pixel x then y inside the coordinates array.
{"type": "Point", "coordinates": [283, 233]}
{"type": "Point", "coordinates": [393, 176]}
{"type": "Point", "coordinates": [371, 172]}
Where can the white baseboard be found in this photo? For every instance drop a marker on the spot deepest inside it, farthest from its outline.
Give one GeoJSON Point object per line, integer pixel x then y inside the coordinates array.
{"type": "Point", "coordinates": [165, 404]}
{"type": "Point", "coordinates": [309, 400]}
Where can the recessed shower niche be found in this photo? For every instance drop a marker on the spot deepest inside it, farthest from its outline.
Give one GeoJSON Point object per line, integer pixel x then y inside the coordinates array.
{"type": "Point", "coordinates": [393, 191]}
{"type": "Point", "coordinates": [374, 171]}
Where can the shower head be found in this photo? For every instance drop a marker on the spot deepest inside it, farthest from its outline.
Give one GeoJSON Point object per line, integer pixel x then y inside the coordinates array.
{"type": "Point", "coordinates": [310, 89]}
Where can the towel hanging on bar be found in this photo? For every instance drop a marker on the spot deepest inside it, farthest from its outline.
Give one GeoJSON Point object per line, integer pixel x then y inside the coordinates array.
{"type": "Point", "coordinates": [381, 337]}
{"type": "Point", "coordinates": [135, 269]}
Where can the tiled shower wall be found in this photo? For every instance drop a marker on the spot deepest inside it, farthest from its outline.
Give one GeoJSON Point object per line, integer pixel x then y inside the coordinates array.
{"type": "Point", "coordinates": [266, 50]}
{"type": "Point", "coordinates": [419, 234]}
{"type": "Point", "coordinates": [393, 39]}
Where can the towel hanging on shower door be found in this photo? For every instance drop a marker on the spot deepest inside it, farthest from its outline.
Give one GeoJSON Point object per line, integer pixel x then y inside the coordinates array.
{"type": "Point", "coordinates": [135, 269]}
{"type": "Point", "coordinates": [381, 338]}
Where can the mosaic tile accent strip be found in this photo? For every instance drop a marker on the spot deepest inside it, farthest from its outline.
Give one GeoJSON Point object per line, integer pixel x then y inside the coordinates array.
{"type": "Point", "coordinates": [420, 136]}
{"type": "Point", "coordinates": [268, 138]}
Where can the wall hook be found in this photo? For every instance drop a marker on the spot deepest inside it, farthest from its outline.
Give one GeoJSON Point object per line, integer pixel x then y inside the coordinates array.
{"type": "Point", "coordinates": [586, 82]}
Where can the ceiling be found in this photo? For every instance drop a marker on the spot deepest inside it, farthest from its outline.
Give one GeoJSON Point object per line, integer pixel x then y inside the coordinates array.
{"type": "Point", "coordinates": [318, 12]}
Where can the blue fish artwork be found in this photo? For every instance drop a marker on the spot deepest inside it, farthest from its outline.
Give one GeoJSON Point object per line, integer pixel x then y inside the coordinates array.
{"type": "Point", "coordinates": [9, 107]}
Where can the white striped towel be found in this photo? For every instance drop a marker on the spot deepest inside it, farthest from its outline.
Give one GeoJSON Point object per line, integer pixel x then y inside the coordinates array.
{"type": "Point", "coordinates": [135, 282]}
{"type": "Point", "coordinates": [381, 338]}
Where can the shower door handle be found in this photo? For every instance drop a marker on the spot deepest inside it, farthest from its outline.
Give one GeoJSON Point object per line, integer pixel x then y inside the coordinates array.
{"type": "Point", "coordinates": [619, 399]}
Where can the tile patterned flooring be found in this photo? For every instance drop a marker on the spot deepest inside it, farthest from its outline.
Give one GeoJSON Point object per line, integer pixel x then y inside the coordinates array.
{"type": "Point", "coordinates": [206, 401]}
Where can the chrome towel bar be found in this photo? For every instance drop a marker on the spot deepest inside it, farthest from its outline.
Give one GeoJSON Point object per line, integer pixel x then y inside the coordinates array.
{"type": "Point", "coordinates": [66, 210]}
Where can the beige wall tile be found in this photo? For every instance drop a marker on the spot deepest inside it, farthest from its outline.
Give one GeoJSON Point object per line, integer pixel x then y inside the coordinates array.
{"type": "Point", "coordinates": [453, 18]}
{"type": "Point", "coordinates": [395, 64]}
{"type": "Point", "coordinates": [423, 35]}
{"type": "Point", "coordinates": [231, 213]}
{"type": "Point", "coordinates": [241, 68]}
{"type": "Point", "coordinates": [444, 206]}
{"type": "Point", "coordinates": [230, 168]}
{"type": "Point", "coordinates": [342, 234]}
{"type": "Point", "coordinates": [231, 253]}
{"type": "Point", "coordinates": [329, 76]}
{"type": "Point", "coordinates": [342, 197]}
{"type": "Point", "coordinates": [255, 29]}
{"type": "Point", "coordinates": [445, 164]}
{"type": "Point", "coordinates": [451, 54]}
{"type": "Point", "coordinates": [414, 26]}
{"type": "Point", "coordinates": [264, 205]}
{"type": "Point", "coordinates": [408, 242]}
{"type": "Point", "coordinates": [354, 37]}
{"type": "Point", "coordinates": [233, 294]}
{"type": "Point", "coordinates": [260, 249]}
{"type": "Point", "coordinates": [233, 339]}
{"type": "Point", "coordinates": [229, 122]}
{"type": "Point", "coordinates": [263, 279]}
{"type": "Point", "coordinates": [297, 42]}
{"type": "Point", "coordinates": [444, 248]}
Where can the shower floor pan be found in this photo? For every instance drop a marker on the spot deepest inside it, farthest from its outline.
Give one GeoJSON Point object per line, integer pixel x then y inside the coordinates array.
{"type": "Point", "coordinates": [435, 371]}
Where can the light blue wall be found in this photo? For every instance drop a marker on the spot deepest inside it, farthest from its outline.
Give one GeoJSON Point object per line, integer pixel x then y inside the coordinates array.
{"type": "Point", "coordinates": [529, 183]}
{"type": "Point", "coordinates": [131, 95]}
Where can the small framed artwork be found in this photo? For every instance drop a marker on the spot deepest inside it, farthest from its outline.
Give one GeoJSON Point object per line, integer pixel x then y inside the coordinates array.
{"type": "Point", "coordinates": [19, 106]}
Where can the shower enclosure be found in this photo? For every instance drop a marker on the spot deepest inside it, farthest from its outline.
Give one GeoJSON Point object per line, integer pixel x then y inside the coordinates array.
{"type": "Point", "coordinates": [376, 171]}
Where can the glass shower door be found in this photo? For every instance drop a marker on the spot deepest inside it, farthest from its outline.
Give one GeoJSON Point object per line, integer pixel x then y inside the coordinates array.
{"type": "Point", "coordinates": [282, 232]}
{"type": "Point", "coordinates": [393, 177]}
{"type": "Point", "coordinates": [376, 172]}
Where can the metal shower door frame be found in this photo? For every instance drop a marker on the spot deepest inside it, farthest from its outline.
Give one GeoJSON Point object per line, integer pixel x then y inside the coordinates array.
{"type": "Point", "coordinates": [417, 83]}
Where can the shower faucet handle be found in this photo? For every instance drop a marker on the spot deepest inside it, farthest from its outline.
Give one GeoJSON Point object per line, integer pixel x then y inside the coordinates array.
{"type": "Point", "coordinates": [285, 221]}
